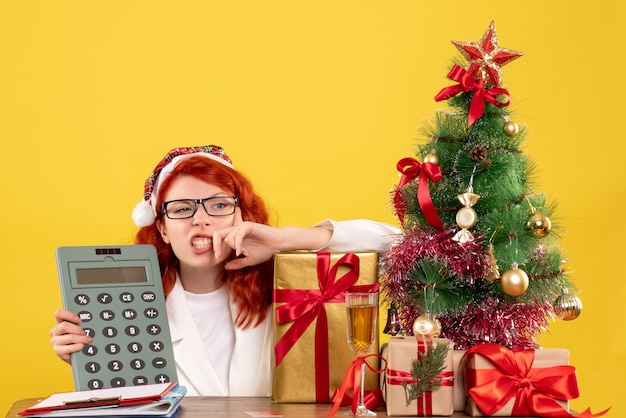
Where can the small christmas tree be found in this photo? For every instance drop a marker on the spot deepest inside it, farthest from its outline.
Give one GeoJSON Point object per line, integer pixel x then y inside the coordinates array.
{"type": "Point", "coordinates": [478, 255]}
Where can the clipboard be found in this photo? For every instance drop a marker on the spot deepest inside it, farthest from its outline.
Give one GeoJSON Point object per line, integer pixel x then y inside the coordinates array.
{"type": "Point", "coordinates": [98, 398]}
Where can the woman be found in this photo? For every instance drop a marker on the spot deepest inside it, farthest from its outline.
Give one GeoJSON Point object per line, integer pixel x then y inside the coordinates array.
{"type": "Point", "coordinates": [215, 252]}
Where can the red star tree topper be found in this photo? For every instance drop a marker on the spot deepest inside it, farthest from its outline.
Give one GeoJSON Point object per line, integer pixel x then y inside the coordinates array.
{"type": "Point", "coordinates": [486, 57]}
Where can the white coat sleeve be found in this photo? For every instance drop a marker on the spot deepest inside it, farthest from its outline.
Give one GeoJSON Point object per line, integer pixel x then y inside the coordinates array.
{"type": "Point", "coordinates": [359, 235]}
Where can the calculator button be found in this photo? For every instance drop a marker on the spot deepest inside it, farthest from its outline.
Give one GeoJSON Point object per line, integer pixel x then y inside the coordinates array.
{"type": "Point", "coordinates": [95, 384]}
{"type": "Point", "coordinates": [140, 380]}
{"type": "Point", "coordinates": [137, 364]}
{"type": "Point", "coordinates": [153, 329]}
{"type": "Point", "coordinates": [90, 350]}
{"type": "Point", "coordinates": [148, 296]}
{"type": "Point", "coordinates": [134, 347]}
{"type": "Point", "coordinates": [107, 315]}
{"type": "Point", "coordinates": [127, 297]}
{"type": "Point", "coordinates": [112, 348]}
{"type": "Point", "coordinates": [92, 367]}
{"type": "Point", "coordinates": [129, 314]}
{"type": "Point", "coordinates": [109, 332]}
{"type": "Point", "coordinates": [159, 362]}
{"type": "Point", "coordinates": [85, 316]}
{"type": "Point", "coordinates": [105, 298]}
{"type": "Point", "coordinates": [161, 378]}
{"type": "Point", "coordinates": [115, 365]}
{"type": "Point", "coordinates": [151, 313]}
{"type": "Point", "coordinates": [81, 299]}
{"type": "Point", "coordinates": [156, 346]}
{"type": "Point", "coordinates": [131, 330]}
{"type": "Point", "coordinates": [89, 332]}
{"type": "Point", "coordinates": [118, 382]}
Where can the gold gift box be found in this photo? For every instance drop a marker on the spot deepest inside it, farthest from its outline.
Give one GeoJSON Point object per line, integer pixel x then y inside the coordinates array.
{"type": "Point", "coordinates": [294, 379]}
{"type": "Point", "coordinates": [544, 358]}
{"type": "Point", "coordinates": [400, 353]}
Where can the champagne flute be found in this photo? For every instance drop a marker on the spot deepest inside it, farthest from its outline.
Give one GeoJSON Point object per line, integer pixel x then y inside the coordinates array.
{"type": "Point", "coordinates": [362, 312]}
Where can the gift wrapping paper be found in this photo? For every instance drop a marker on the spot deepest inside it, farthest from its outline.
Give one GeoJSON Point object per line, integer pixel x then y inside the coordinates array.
{"type": "Point", "coordinates": [459, 386]}
{"type": "Point", "coordinates": [400, 353]}
{"type": "Point", "coordinates": [310, 335]}
{"type": "Point", "coordinates": [544, 369]}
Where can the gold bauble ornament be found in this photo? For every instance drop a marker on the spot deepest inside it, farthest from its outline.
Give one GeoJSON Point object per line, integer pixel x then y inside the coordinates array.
{"type": "Point", "coordinates": [426, 326]}
{"type": "Point", "coordinates": [510, 128]}
{"type": "Point", "coordinates": [568, 307]}
{"type": "Point", "coordinates": [540, 224]}
{"type": "Point", "coordinates": [514, 281]}
{"type": "Point", "coordinates": [432, 158]}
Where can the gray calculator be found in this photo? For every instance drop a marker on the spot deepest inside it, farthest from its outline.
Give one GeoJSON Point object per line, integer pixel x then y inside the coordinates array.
{"type": "Point", "coordinates": [117, 292]}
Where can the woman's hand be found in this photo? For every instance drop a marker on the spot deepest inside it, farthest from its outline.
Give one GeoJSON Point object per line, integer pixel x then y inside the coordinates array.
{"type": "Point", "coordinates": [67, 336]}
{"type": "Point", "coordinates": [253, 243]}
{"type": "Point", "coordinates": [256, 243]}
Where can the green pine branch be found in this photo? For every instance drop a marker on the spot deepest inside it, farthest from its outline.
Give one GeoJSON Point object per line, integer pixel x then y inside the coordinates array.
{"type": "Point", "coordinates": [425, 371]}
{"type": "Point", "coordinates": [432, 287]}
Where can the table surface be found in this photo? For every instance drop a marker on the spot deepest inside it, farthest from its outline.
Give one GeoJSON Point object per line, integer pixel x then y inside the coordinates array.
{"type": "Point", "coordinates": [196, 407]}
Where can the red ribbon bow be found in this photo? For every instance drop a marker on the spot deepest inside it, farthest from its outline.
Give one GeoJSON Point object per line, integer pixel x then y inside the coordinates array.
{"type": "Point", "coordinates": [410, 169]}
{"type": "Point", "coordinates": [302, 306]}
{"type": "Point", "coordinates": [535, 390]}
{"type": "Point", "coordinates": [467, 82]}
{"type": "Point", "coordinates": [352, 382]}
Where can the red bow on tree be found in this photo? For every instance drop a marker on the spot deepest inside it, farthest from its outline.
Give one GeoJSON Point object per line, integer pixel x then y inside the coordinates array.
{"type": "Point", "coordinates": [467, 82]}
{"type": "Point", "coordinates": [410, 169]}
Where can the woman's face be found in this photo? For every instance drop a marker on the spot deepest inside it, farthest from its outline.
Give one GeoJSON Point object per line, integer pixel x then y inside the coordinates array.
{"type": "Point", "coordinates": [191, 238]}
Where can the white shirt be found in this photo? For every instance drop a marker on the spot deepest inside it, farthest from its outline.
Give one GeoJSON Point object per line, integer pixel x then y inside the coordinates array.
{"type": "Point", "coordinates": [249, 371]}
{"type": "Point", "coordinates": [211, 313]}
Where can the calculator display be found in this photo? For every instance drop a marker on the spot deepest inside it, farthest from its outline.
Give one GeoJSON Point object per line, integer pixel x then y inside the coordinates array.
{"type": "Point", "coordinates": [111, 275]}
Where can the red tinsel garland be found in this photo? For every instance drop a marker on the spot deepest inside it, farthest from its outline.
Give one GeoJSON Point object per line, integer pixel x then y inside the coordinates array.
{"type": "Point", "coordinates": [490, 320]}
{"type": "Point", "coordinates": [470, 263]}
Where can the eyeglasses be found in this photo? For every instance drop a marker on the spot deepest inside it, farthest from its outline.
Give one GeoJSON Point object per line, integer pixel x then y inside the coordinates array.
{"type": "Point", "coordinates": [187, 208]}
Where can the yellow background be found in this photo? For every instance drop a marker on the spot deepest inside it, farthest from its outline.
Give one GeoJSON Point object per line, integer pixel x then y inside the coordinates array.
{"type": "Point", "coordinates": [316, 101]}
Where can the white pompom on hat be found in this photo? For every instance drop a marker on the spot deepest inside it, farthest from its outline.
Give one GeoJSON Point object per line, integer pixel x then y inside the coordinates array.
{"type": "Point", "coordinates": [144, 213]}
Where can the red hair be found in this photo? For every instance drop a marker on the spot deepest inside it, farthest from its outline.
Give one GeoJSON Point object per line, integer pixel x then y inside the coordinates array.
{"type": "Point", "coordinates": [251, 287]}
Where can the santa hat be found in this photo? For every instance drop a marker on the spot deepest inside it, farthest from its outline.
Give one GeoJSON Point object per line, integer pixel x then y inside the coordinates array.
{"type": "Point", "coordinates": [144, 213]}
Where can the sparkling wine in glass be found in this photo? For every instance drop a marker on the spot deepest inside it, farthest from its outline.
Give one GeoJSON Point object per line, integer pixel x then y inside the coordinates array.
{"type": "Point", "coordinates": [362, 313]}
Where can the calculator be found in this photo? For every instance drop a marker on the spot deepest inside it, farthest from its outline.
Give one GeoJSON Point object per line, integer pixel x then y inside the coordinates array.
{"type": "Point", "coordinates": [117, 293]}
